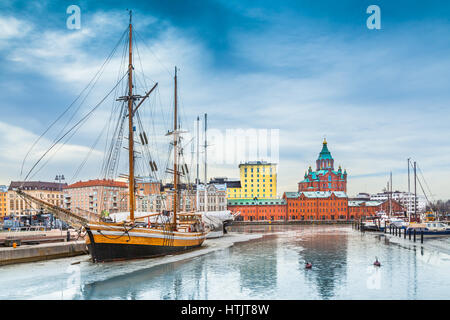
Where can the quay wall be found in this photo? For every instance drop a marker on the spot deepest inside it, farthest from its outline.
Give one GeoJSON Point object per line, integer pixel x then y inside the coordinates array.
{"type": "Point", "coordinates": [30, 253]}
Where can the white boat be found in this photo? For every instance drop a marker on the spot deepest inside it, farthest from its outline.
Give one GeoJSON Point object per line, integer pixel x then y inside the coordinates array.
{"type": "Point", "coordinates": [216, 221]}
{"type": "Point", "coordinates": [430, 229]}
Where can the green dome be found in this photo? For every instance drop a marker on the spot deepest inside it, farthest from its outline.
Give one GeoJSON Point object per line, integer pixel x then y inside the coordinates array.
{"type": "Point", "coordinates": [325, 153]}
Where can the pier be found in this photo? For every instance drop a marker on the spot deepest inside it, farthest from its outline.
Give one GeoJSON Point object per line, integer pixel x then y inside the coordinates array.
{"type": "Point", "coordinates": [29, 246]}
{"type": "Point", "coordinates": [39, 252]}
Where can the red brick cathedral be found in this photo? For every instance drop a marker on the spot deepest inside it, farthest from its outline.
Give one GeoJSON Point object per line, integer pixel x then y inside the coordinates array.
{"type": "Point", "coordinates": [325, 178]}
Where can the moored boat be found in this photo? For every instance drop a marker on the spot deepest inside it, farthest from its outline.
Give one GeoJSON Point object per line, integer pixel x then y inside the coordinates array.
{"type": "Point", "coordinates": [430, 229]}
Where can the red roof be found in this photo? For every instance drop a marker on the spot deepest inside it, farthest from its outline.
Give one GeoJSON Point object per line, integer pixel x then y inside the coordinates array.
{"type": "Point", "coordinates": [97, 183]}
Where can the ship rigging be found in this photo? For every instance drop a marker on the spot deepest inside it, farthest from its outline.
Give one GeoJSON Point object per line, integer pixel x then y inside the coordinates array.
{"type": "Point", "coordinates": [148, 234]}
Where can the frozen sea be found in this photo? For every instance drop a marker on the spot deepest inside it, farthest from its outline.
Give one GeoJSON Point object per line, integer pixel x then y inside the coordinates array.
{"type": "Point", "coordinates": [266, 267]}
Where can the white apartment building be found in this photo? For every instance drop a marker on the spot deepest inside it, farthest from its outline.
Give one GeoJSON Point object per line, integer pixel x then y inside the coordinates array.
{"type": "Point", "coordinates": [405, 199]}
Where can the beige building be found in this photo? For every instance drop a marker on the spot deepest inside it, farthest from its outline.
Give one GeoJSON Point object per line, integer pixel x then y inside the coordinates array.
{"type": "Point", "coordinates": [186, 197]}
{"type": "Point", "coordinates": [216, 197]}
{"type": "Point", "coordinates": [51, 192]}
{"type": "Point", "coordinates": [96, 196]}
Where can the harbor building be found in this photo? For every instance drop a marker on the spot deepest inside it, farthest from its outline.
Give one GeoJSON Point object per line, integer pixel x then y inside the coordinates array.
{"type": "Point", "coordinates": [324, 178]}
{"type": "Point", "coordinates": [316, 205]}
{"type": "Point", "coordinates": [259, 209]}
{"type": "Point", "coordinates": [406, 199]}
{"type": "Point", "coordinates": [148, 186]}
{"type": "Point", "coordinates": [51, 192]}
{"type": "Point", "coordinates": [148, 195]}
{"type": "Point", "coordinates": [186, 197]}
{"type": "Point", "coordinates": [257, 179]}
{"type": "Point", "coordinates": [363, 208]}
{"type": "Point", "coordinates": [150, 202]}
{"type": "Point", "coordinates": [3, 202]}
{"type": "Point", "coordinates": [96, 196]}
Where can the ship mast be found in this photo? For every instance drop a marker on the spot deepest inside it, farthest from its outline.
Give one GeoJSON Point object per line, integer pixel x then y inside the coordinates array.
{"type": "Point", "coordinates": [130, 125]}
{"type": "Point", "coordinates": [175, 151]}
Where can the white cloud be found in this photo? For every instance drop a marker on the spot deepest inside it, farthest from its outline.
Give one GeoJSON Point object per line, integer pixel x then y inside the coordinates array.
{"type": "Point", "coordinates": [16, 142]}
{"type": "Point", "coordinates": [12, 27]}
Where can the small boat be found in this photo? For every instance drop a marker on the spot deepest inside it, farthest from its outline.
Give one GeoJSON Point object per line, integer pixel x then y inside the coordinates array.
{"type": "Point", "coordinates": [430, 229]}
{"type": "Point", "coordinates": [392, 221]}
{"type": "Point", "coordinates": [372, 225]}
{"type": "Point", "coordinates": [377, 263]}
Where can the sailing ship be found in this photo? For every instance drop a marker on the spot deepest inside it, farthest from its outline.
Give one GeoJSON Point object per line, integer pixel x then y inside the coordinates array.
{"type": "Point", "coordinates": [130, 239]}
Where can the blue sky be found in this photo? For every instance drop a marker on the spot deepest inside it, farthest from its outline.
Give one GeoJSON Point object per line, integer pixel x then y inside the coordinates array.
{"type": "Point", "coordinates": [309, 68]}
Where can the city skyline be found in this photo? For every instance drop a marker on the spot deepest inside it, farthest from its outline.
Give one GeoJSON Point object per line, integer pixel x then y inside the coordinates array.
{"type": "Point", "coordinates": [315, 70]}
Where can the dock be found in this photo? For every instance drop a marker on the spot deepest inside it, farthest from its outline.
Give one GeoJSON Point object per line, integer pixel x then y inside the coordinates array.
{"type": "Point", "coordinates": [39, 252]}
{"type": "Point", "coordinates": [29, 246]}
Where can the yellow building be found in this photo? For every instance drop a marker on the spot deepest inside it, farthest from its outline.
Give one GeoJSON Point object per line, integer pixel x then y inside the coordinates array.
{"type": "Point", "coordinates": [258, 179]}
{"type": "Point", "coordinates": [3, 202]}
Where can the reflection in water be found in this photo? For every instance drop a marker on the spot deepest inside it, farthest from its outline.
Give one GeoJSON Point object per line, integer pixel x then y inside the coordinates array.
{"type": "Point", "coordinates": [268, 268]}
{"type": "Point", "coordinates": [327, 251]}
{"type": "Point", "coordinates": [129, 286]}
{"type": "Point", "coordinates": [258, 272]}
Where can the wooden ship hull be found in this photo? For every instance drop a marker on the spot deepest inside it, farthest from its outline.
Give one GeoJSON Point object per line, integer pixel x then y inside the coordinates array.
{"type": "Point", "coordinates": [115, 242]}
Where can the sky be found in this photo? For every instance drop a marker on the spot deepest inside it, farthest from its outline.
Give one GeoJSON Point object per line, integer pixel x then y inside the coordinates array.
{"type": "Point", "coordinates": [310, 69]}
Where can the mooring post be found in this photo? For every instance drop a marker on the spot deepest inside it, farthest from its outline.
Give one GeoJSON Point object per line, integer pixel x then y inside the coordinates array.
{"type": "Point", "coordinates": [421, 236]}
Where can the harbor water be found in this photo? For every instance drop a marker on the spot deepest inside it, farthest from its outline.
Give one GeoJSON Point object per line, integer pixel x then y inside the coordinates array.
{"type": "Point", "coordinates": [269, 267]}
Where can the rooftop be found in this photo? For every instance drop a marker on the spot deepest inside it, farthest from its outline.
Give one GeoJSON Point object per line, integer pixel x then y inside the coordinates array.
{"type": "Point", "coordinates": [97, 183]}
{"type": "Point", "coordinates": [368, 203]}
{"type": "Point", "coordinates": [259, 202]}
{"type": "Point", "coordinates": [37, 185]}
{"type": "Point", "coordinates": [256, 163]}
{"type": "Point", "coordinates": [315, 194]}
